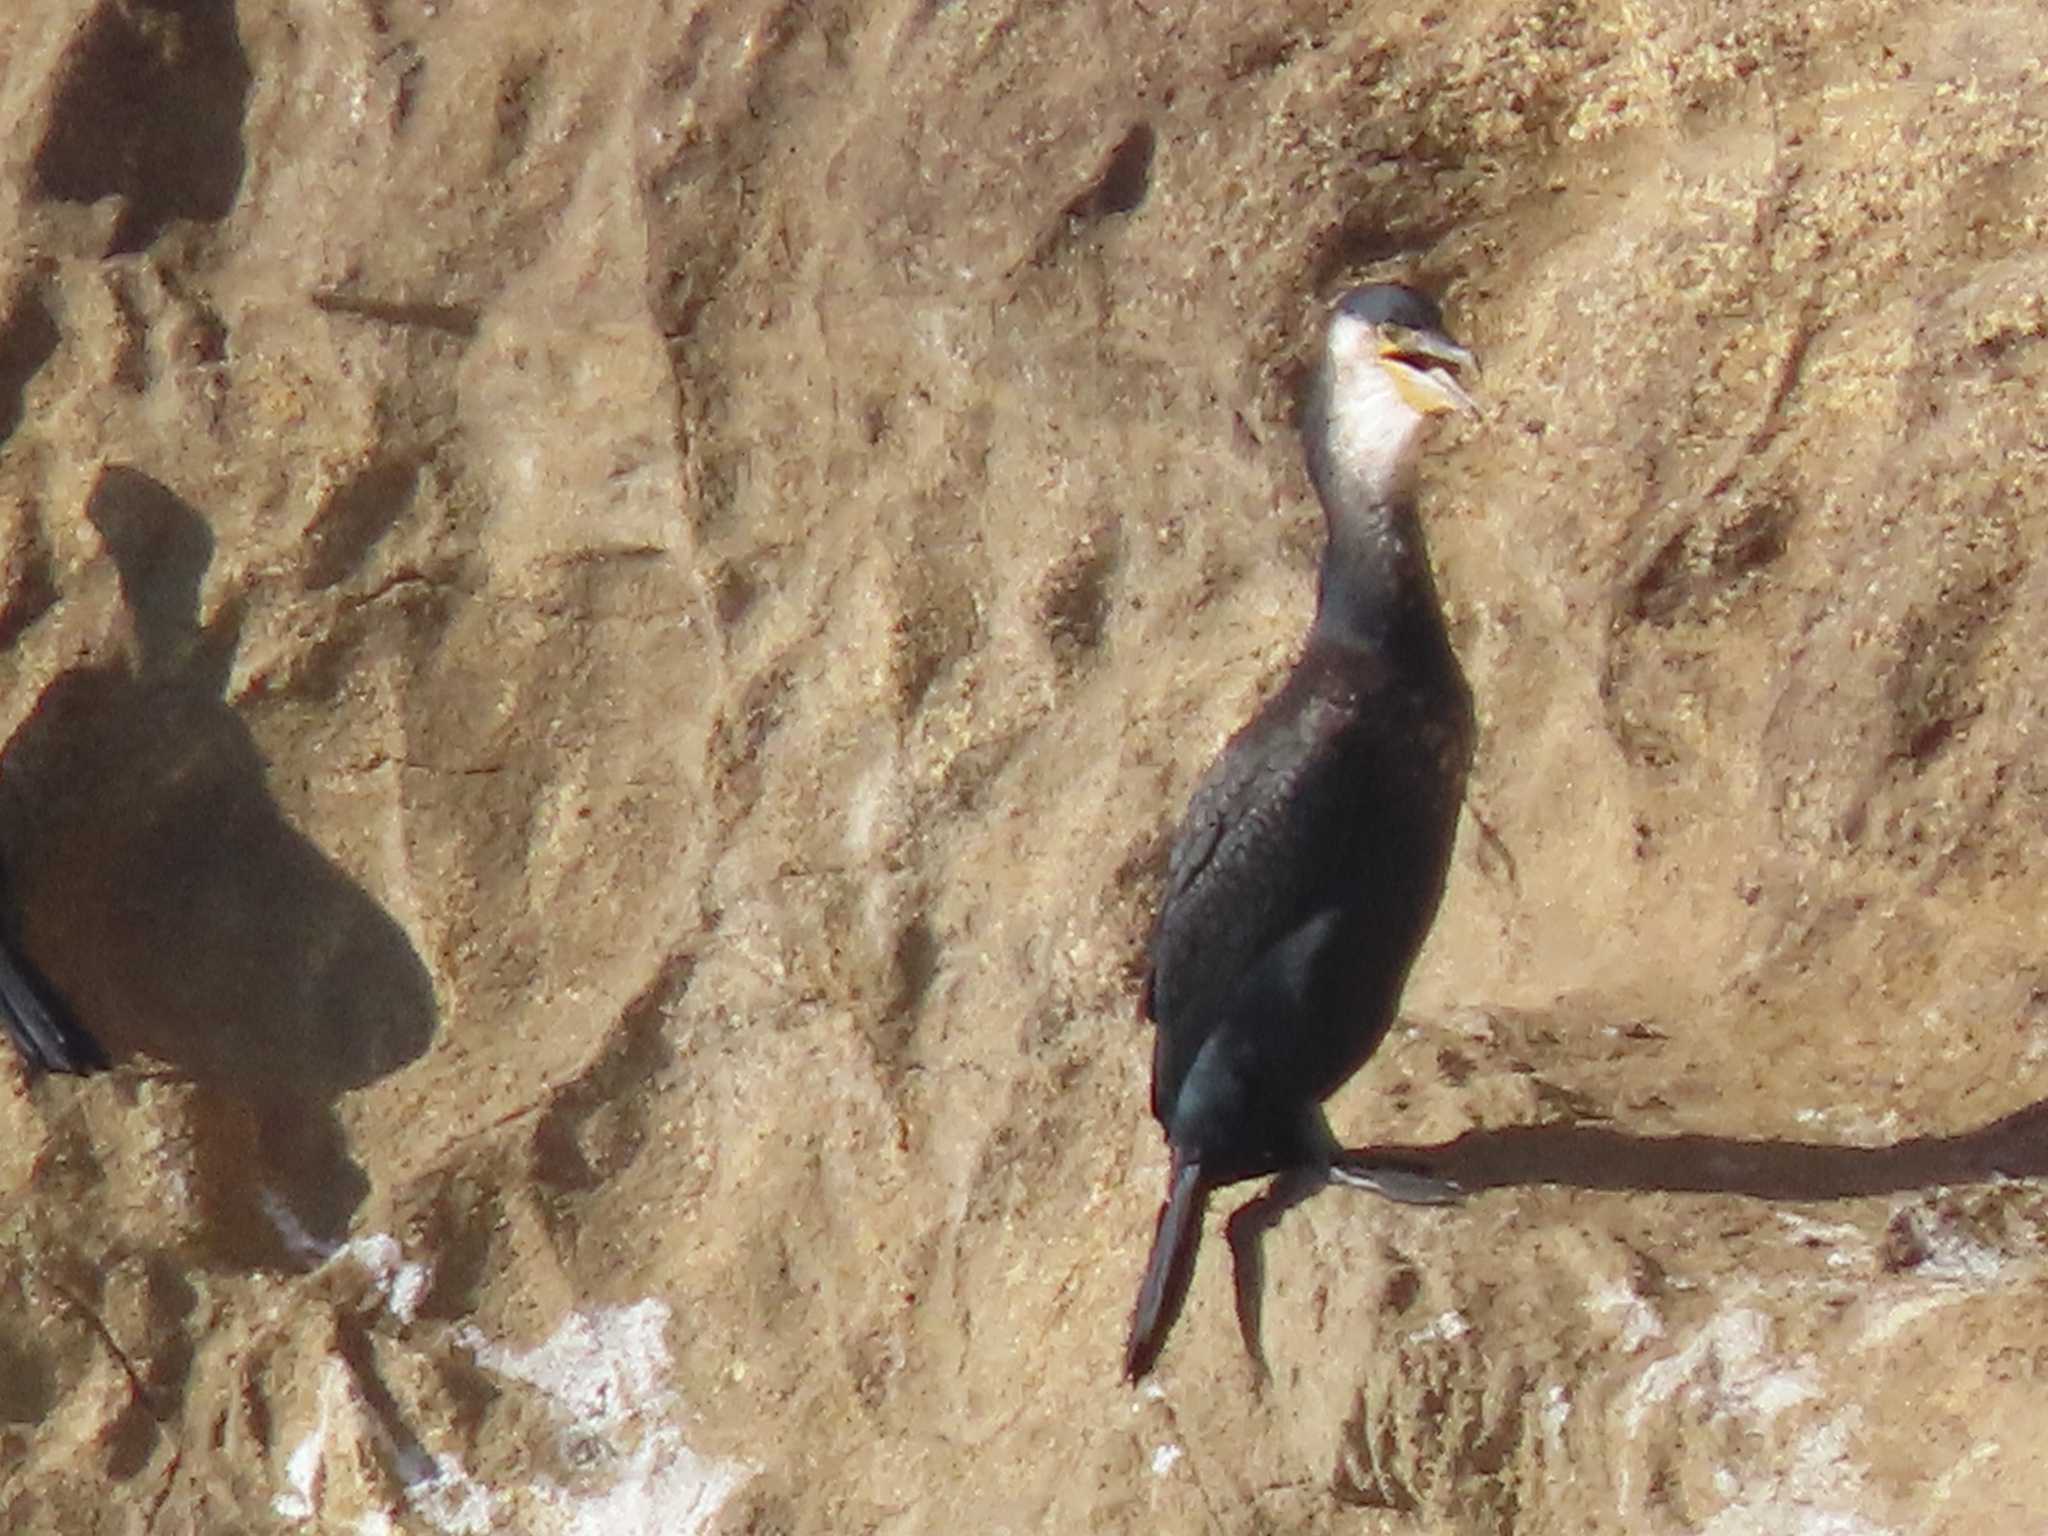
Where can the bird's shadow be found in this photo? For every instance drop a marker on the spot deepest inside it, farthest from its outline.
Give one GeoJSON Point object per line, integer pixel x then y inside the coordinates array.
{"type": "Point", "coordinates": [1599, 1157]}
{"type": "Point", "coordinates": [169, 900]}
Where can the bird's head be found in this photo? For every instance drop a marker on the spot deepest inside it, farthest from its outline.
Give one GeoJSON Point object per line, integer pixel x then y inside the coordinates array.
{"type": "Point", "coordinates": [1388, 367]}
{"type": "Point", "coordinates": [1398, 335]}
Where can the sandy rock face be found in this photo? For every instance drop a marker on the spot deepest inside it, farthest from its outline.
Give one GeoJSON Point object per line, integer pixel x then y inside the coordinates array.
{"type": "Point", "coordinates": [606, 617]}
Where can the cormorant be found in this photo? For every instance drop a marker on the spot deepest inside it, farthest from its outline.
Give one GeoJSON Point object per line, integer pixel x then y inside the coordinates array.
{"type": "Point", "coordinates": [38, 1023]}
{"type": "Point", "coordinates": [1313, 854]}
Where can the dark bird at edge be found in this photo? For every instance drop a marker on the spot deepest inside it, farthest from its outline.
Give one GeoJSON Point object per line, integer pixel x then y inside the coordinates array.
{"type": "Point", "coordinates": [39, 1024]}
{"type": "Point", "coordinates": [1314, 852]}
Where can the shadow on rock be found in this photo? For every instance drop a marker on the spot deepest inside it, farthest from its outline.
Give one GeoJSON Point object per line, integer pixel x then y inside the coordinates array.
{"type": "Point", "coordinates": [148, 111]}
{"type": "Point", "coordinates": [183, 917]}
{"type": "Point", "coordinates": [1600, 1157]}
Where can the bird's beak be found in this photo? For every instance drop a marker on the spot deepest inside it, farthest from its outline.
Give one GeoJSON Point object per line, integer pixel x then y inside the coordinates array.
{"type": "Point", "coordinates": [1425, 366]}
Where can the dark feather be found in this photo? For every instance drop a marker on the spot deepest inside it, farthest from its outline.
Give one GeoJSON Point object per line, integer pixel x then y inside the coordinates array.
{"type": "Point", "coordinates": [1168, 1270]}
{"type": "Point", "coordinates": [38, 1023]}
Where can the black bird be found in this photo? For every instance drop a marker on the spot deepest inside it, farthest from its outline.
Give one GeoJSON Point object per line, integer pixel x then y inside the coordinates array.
{"type": "Point", "coordinates": [1313, 854]}
{"type": "Point", "coordinates": [38, 1023]}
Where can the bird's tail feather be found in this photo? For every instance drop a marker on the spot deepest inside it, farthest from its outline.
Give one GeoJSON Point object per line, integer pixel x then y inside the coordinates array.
{"type": "Point", "coordinates": [37, 1023]}
{"type": "Point", "coordinates": [1169, 1269]}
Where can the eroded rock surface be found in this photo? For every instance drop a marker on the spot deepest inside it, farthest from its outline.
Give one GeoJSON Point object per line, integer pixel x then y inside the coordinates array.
{"type": "Point", "coordinates": [606, 615]}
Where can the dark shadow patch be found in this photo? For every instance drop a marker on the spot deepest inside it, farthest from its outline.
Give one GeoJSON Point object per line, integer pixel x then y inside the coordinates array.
{"type": "Point", "coordinates": [160, 1373]}
{"type": "Point", "coordinates": [150, 111]}
{"type": "Point", "coordinates": [1703, 565]}
{"type": "Point", "coordinates": [914, 964]}
{"type": "Point", "coordinates": [1073, 607]}
{"type": "Point", "coordinates": [1600, 1157]}
{"type": "Point", "coordinates": [1125, 180]}
{"type": "Point", "coordinates": [455, 319]}
{"type": "Point", "coordinates": [31, 582]}
{"type": "Point", "coordinates": [1365, 1477]}
{"type": "Point", "coordinates": [596, 1125]}
{"type": "Point", "coordinates": [28, 1386]}
{"type": "Point", "coordinates": [522, 97]}
{"type": "Point", "coordinates": [1448, 1468]}
{"type": "Point", "coordinates": [1119, 187]}
{"type": "Point", "coordinates": [1936, 691]}
{"type": "Point", "coordinates": [355, 1347]}
{"type": "Point", "coordinates": [890, 1030]}
{"type": "Point", "coordinates": [184, 918]}
{"type": "Point", "coordinates": [34, 1016]}
{"type": "Point", "coordinates": [358, 513]}
{"type": "Point", "coordinates": [1374, 244]}
{"type": "Point", "coordinates": [739, 734]}
{"type": "Point", "coordinates": [28, 339]}
{"type": "Point", "coordinates": [1689, 578]}
{"type": "Point", "coordinates": [733, 594]}
{"type": "Point", "coordinates": [1258, 56]}
{"type": "Point", "coordinates": [460, 1223]}
{"type": "Point", "coordinates": [935, 620]}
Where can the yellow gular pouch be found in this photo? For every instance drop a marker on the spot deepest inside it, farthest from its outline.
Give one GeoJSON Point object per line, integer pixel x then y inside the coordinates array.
{"type": "Point", "coordinates": [1425, 368]}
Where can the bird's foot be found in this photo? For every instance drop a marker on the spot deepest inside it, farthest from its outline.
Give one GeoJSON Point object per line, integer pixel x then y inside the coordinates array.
{"type": "Point", "coordinates": [1403, 1183]}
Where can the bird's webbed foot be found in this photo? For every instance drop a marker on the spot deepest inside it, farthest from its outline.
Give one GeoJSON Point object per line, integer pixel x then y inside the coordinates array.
{"type": "Point", "coordinates": [1402, 1182]}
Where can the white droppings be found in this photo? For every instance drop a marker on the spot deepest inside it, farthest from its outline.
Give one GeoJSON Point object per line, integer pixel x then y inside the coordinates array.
{"type": "Point", "coordinates": [604, 1378]}
{"type": "Point", "coordinates": [441, 1492]}
{"type": "Point", "coordinates": [400, 1283]}
{"type": "Point", "coordinates": [305, 1467]}
{"type": "Point", "coordinates": [1957, 1258]}
{"type": "Point", "coordinates": [397, 1282]}
{"type": "Point", "coordinates": [604, 1375]}
{"type": "Point", "coordinates": [1723, 1365]}
{"type": "Point", "coordinates": [437, 1489]}
{"type": "Point", "coordinates": [1895, 1318]}
{"type": "Point", "coordinates": [1728, 1373]}
{"type": "Point", "coordinates": [1165, 1458]}
{"type": "Point", "coordinates": [1443, 1328]}
{"type": "Point", "coordinates": [597, 1367]}
{"type": "Point", "coordinates": [1555, 1413]}
{"type": "Point", "coordinates": [1635, 1317]}
{"type": "Point", "coordinates": [1846, 1246]}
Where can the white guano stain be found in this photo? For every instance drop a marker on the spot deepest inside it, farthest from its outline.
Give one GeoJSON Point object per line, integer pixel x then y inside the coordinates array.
{"type": "Point", "coordinates": [1728, 1372]}
{"type": "Point", "coordinates": [605, 1375]}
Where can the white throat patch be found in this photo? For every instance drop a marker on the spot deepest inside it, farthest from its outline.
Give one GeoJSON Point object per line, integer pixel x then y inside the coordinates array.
{"type": "Point", "coordinates": [1375, 435]}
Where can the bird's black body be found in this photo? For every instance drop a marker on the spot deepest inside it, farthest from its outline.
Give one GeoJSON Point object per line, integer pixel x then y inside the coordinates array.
{"type": "Point", "coordinates": [1305, 875]}
{"type": "Point", "coordinates": [1311, 860]}
{"type": "Point", "coordinates": [38, 1023]}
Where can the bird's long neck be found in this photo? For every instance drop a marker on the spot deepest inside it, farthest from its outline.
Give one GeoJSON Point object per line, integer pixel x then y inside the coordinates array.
{"type": "Point", "coordinates": [1375, 587]}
